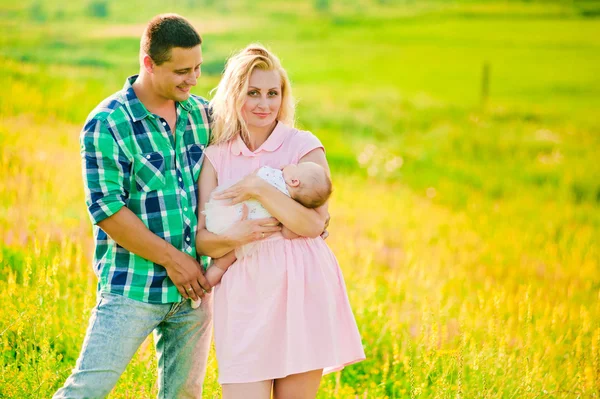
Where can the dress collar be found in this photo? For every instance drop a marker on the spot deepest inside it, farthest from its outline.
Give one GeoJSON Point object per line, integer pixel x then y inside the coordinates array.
{"type": "Point", "coordinates": [273, 142]}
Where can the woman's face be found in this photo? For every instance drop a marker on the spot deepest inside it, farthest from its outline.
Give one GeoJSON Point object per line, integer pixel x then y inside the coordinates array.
{"type": "Point", "coordinates": [263, 99]}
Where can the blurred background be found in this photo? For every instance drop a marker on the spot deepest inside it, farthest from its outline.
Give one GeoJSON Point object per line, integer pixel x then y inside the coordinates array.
{"type": "Point", "coordinates": [463, 137]}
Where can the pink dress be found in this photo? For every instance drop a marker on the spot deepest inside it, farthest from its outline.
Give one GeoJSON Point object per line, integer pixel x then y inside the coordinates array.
{"type": "Point", "coordinates": [283, 309]}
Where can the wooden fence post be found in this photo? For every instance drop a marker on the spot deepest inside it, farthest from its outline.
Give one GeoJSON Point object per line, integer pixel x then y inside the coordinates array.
{"type": "Point", "coordinates": [485, 83]}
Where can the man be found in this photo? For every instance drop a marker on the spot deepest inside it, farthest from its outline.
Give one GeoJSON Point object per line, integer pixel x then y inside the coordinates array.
{"type": "Point", "coordinates": [142, 153]}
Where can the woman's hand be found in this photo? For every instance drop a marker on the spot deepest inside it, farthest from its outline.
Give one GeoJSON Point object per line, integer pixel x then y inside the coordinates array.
{"type": "Point", "coordinates": [247, 188]}
{"type": "Point", "coordinates": [246, 231]}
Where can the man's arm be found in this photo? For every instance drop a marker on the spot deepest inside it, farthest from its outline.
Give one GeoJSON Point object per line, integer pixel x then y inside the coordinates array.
{"type": "Point", "coordinates": [130, 232]}
{"type": "Point", "coordinates": [106, 169]}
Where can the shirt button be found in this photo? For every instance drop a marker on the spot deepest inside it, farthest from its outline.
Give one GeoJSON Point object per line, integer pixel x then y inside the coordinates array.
{"type": "Point", "coordinates": [147, 156]}
{"type": "Point", "coordinates": [164, 123]}
{"type": "Point", "coordinates": [188, 239]}
{"type": "Point", "coordinates": [185, 209]}
{"type": "Point", "coordinates": [180, 179]}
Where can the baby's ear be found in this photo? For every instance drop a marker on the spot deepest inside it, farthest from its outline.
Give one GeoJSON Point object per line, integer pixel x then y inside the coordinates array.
{"type": "Point", "coordinates": [294, 182]}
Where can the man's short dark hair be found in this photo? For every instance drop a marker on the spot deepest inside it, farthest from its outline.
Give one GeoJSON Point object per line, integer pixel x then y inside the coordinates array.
{"type": "Point", "coordinates": [166, 31]}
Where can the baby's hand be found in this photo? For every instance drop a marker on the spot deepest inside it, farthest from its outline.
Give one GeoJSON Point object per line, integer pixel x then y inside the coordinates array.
{"type": "Point", "coordinates": [325, 233]}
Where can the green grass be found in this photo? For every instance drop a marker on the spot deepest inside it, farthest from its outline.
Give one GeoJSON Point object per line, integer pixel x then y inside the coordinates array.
{"type": "Point", "coordinates": [467, 230]}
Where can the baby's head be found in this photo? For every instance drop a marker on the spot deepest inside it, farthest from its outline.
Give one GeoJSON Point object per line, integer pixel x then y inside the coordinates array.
{"type": "Point", "coordinates": [307, 183]}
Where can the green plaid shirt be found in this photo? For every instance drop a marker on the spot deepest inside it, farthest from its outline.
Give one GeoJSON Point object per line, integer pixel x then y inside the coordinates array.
{"type": "Point", "coordinates": [131, 158]}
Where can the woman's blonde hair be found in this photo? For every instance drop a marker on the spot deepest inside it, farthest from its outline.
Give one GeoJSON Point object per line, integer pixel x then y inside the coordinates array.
{"type": "Point", "coordinates": [230, 94]}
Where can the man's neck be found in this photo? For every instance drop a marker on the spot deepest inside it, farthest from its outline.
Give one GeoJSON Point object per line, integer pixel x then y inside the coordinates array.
{"type": "Point", "coordinates": [144, 90]}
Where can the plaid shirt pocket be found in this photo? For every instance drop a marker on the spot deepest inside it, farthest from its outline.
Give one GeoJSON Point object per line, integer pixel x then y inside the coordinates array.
{"type": "Point", "coordinates": [149, 171]}
{"type": "Point", "coordinates": [195, 154]}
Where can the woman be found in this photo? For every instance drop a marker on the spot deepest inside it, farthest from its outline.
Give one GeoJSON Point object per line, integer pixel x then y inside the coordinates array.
{"type": "Point", "coordinates": [281, 314]}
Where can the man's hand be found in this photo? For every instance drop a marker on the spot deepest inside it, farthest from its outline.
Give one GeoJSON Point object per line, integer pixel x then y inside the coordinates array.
{"type": "Point", "coordinates": [186, 274]}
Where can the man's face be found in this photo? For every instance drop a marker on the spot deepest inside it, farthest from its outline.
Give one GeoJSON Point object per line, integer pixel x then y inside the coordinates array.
{"type": "Point", "coordinates": [173, 79]}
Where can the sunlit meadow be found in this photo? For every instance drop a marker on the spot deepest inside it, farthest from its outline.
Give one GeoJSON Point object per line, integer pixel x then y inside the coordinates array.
{"type": "Point", "coordinates": [465, 215]}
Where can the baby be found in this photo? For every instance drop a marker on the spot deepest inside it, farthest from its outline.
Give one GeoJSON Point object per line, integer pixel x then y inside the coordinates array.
{"type": "Point", "coordinates": [306, 182]}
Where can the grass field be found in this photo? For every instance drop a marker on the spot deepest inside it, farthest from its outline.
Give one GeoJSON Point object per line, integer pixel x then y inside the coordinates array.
{"type": "Point", "coordinates": [466, 225]}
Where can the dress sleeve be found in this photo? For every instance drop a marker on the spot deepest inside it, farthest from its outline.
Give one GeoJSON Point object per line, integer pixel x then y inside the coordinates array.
{"type": "Point", "coordinates": [306, 142]}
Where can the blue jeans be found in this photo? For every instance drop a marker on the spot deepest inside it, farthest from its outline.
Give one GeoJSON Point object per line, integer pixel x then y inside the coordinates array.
{"type": "Point", "coordinates": [117, 328]}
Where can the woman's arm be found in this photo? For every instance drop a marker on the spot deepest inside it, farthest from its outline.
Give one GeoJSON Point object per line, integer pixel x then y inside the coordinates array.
{"type": "Point", "coordinates": [288, 234]}
{"type": "Point", "coordinates": [240, 233]}
{"type": "Point", "coordinates": [300, 220]}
